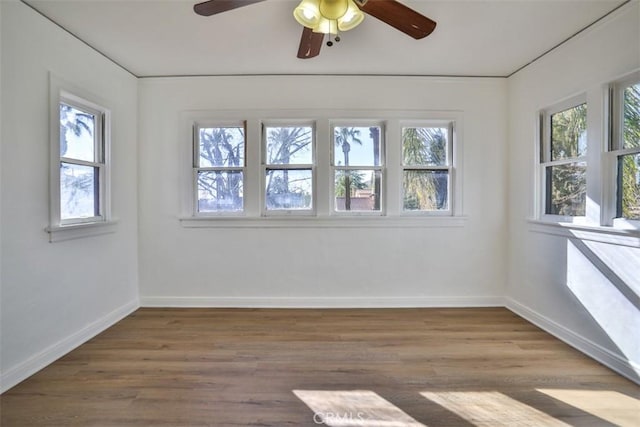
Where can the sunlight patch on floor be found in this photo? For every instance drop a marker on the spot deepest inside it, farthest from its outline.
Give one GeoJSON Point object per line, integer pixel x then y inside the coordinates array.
{"type": "Point", "coordinates": [492, 409]}
{"type": "Point", "coordinates": [362, 408]}
{"type": "Point", "coordinates": [612, 406]}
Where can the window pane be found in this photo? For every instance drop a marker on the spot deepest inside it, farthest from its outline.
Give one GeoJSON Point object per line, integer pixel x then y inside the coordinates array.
{"type": "Point", "coordinates": [288, 189]}
{"type": "Point", "coordinates": [424, 146]}
{"type": "Point", "coordinates": [569, 133]}
{"type": "Point", "coordinates": [77, 134]}
{"type": "Point", "coordinates": [357, 146]}
{"type": "Point", "coordinates": [567, 189]}
{"type": "Point", "coordinates": [632, 116]}
{"type": "Point", "coordinates": [425, 190]}
{"type": "Point", "coordinates": [221, 146]}
{"type": "Point", "coordinates": [220, 191]}
{"type": "Point", "coordinates": [289, 145]}
{"type": "Point", "coordinates": [629, 186]}
{"type": "Point", "coordinates": [78, 191]}
{"type": "Point", "coordinates": [364, 190]}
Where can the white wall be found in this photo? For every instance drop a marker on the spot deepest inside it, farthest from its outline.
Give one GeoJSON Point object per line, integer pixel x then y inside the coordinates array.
{"type": "Point", "coordinates": [56, 295]}
{"type": "Point", "coordinates": [386, 266]}
{"type": "Point", "coordinates": [573, 287]}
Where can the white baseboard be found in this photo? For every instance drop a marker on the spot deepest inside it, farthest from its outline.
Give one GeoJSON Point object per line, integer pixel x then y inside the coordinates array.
{"type": "Point", "coordinates": [322, 302]}
{"type": "Point", "coordinates": [50, 354]}
{"type": "Point", "coordinates": [608, 358]}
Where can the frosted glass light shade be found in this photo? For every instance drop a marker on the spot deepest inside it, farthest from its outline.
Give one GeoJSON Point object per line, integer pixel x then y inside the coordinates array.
{"type": "Point", "coordinates": [352, 18]}
{"type": "Point", "coordinates": [328, 16]}
{"type": "Point", "coordinates": [307, 13]}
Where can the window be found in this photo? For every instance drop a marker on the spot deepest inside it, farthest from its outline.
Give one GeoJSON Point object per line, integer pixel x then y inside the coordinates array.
{"type": "Point", "coordinates": [288, 168]}
{"type": "Point", "coordinates": [312, 169]}
{"type": "Point", "coordinates": [219, 163]}
{"type": "Point", "coordinates": [357, 168]}
{"type": "Point", "coordinates": [563, 159]}
{"type": "Point", "coordinates": [625, 145]}
{"type": "Point", "coordinates": [426, 168]}
{"type": "Point", "coordinates": [80, 196]}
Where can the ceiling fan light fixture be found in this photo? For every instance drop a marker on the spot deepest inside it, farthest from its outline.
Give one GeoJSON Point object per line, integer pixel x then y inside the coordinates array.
{"type": "Point", "coordinates": [352, 18]}
{"type": "Point", "coordinates": [307, 13]}
{"type": "Point", "coordinates": [328, 16]}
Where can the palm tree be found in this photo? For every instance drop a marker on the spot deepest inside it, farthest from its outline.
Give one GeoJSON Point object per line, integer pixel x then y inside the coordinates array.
{"type": "Point", "coordinates": [283, 144]}
{"type": "Point", "coordinates": [423, 147]}
{"type": "Point", "coordinates": [344, 137]}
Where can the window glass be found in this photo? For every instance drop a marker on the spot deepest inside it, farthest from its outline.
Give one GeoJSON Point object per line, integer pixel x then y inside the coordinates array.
{"type": "Point", "coordinates": [77, 134]}
{"type": "Point", "coordinates": [567, 189]}
{"type": "Point", "coordinates": [631, 134]}
{"type": "Point", "coordinates": [221, 146]}
{"type": "Point", "coordinates": [220, 190]}
{"type": "Point", "coordinates": [78, 191]}
{"type": "Point", "coordinates": [425, 190]}
{"type": "Point", "coordinates": [357, 146]}
{"type": "Point", "coordinates": [569, 133]}
{"type": "Point", "coordinates": [426, 146]}
{"type": "Point", "coordinates": [629, 186]}
{"type": "Point", "coordinates": [289, 145]}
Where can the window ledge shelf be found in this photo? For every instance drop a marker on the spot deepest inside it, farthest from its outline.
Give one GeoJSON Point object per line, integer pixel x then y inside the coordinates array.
{"type": "Point", "coordinates": [595, 233]}
{"type": "Point", "coordinates": [324, 222]}
{"type": "Point", "coordinates": [78, 231]}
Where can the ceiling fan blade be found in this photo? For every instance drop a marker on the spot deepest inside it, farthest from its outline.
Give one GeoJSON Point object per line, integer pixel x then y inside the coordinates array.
{"type": "Point", "coordinates": [310, 44]}
{"type": "Point", "coordinates": [398, 16]}
{"type": "Point", "coordinates": [212, 7]}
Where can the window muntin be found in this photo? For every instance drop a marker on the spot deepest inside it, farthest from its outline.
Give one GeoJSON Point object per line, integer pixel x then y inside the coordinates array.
{"type": "Point", "coordinates": [219, 168]}
{"type": "Point", "coordinates": [288, 168]}
{"type": "Point", "coordinates": [357, 164]}
{"type": "Point", "coordinates": [426, 168]}
{"type": "Point", "coordinates": [563, 159]}
{"type": "Point", "coordinates": [82, 162]}
{"type": "Point", "coordinates": [625, 145]}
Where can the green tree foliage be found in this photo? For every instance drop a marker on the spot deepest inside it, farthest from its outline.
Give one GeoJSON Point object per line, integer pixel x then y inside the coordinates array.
{"type": "Point", "coordinates": [423, 189]}
{"type": "Point", "coordinates": [567, 183]}
{"type": "Point", "coordinates": [630, 173]}
{"type": "Point", "coordinates": [353, 179]}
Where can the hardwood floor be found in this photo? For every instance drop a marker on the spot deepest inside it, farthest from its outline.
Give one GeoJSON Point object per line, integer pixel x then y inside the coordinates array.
{"type": "Point", "coordinates": [388, 367]}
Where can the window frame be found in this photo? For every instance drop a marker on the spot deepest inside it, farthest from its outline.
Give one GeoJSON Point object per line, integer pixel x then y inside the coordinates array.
{"type": "Point", "coordinates": [333, 168]}
{"type": "Point", "coordinates": [451, 141]}
{"type": "Point", "coordinates": [196, 168]}
{"type": "Point", "coordinates": [544, 160]}
{"type": "Point", "coordinates": [264, 167]}
{"type": "Point", "coordinates": [616, 149]}
{"type": "Point", "coordinates": [58, 229]}
{"type": "Point", "coordinates": [323, 215]}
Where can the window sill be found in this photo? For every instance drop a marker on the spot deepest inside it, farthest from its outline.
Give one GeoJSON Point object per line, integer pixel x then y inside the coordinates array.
{"type": "Point", "coordinates": [323, 222]}
{"type": "Point", "coordinates": [79, 231]}
{"type": "Point", "coordinates": [595, 233]}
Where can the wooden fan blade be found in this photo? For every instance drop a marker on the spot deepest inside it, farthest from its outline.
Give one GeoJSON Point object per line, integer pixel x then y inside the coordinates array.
{"type": "Point", "coordinates": [398, 16]}
{"type": "Point", "coordinates": [212, 7]}
{"type": "Point", "coordinates": [310, 44]}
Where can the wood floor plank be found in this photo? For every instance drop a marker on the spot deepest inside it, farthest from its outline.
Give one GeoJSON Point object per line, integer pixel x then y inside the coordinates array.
{"type": "Point", "coordinates": [241, 367]}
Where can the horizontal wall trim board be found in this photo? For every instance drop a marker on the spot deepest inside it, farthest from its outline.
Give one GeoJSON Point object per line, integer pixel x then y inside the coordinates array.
{"type": "Point", "coordinates": [24, 370]}
{"type": "Point", "coordinates": [624, 367]}
{"type": "Point", "coordinates": [322, 302]}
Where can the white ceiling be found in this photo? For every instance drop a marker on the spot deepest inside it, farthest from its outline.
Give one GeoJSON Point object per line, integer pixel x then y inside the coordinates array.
{"type": "Point", "coordinates": [473, 37]}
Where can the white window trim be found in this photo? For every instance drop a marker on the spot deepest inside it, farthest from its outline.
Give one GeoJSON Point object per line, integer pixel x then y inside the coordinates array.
{"type": "Point", "coordinates": [615, 150]}
{"type": "Point", "coordinates": [381, 168]}
{"type": "Point", "coordinates": [542, 159]}
{"type": "Point", "coordinates": [323, 216]}
{"type": "Point", "coordinates": [264, 167]}
{"type": "Point", "coordinates": [452, 160]}
{"type": "Point", "coordinates": [58, 229]}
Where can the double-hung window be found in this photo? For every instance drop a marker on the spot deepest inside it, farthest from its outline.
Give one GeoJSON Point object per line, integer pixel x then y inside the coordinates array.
{"type": "Point", "coordinates": [288, 168]}
{"type": "Point", "coordinates": [357, 163]}
{"type": "Point", "coordinates": [563, 159]}
{"type": "Point", "coordinates": [219, 168]}
{"type": "Point", "coordinates": [625, 145]}
{"type": "Point", "coordinates": [79, 195]}
{"type": "Point", "coordinates": [427, 168]}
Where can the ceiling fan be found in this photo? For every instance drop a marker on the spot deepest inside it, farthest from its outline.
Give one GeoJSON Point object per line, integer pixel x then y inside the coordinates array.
{"type": "Point", "coordinates": [322, 17]}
